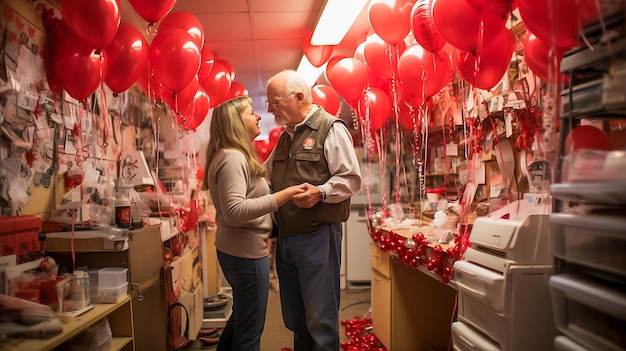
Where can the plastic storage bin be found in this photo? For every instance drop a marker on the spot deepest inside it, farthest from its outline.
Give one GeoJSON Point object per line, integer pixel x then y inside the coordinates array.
{"type": "Point", "coordinates": [563, 343]}
{"type": "Point", "coordinates": [588, 312]}
{"type": "Point", "coordinates": [110, 295]}
{"type": "Point", "coordinates": [112, 277]}
{"type": "Point", "coordinates": [593, 241]}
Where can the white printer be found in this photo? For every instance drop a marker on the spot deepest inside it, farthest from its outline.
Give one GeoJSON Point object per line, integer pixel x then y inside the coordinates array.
{"type": "Point", "coordinates": [504, 299]}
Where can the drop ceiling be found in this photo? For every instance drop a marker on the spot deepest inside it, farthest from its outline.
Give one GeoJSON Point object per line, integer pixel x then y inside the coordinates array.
{"type": "Point", "coordinates": [259, 37]}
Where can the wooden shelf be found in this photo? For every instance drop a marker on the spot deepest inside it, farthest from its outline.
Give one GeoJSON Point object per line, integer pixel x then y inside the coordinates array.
{"type": "Point", "coordinates": [120, 340]}
{"type": "Point", "coordinates": [120, 343]}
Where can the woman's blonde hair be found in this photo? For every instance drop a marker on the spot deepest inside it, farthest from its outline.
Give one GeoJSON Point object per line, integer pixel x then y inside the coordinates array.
{"type": "Point", "coordinates": [229, 132]}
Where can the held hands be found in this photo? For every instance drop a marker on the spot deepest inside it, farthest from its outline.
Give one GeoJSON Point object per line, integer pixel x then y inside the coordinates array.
{"type": "Point", "coordinates": [308, 198]}
{"type": "Point", "coordinates": [296, 189]}
{"type": "Point", "coordinates": [283, 196]}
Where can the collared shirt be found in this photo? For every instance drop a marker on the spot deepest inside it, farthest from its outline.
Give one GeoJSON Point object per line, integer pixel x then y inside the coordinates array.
{"type": "Point", "coordinates": [342, 162]}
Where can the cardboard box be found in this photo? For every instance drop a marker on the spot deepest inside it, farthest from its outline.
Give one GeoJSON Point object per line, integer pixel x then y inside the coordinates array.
{"type": "Point", "coordinates": [88, 240]}
{"type": "Point", "coordinates": [142, 254]}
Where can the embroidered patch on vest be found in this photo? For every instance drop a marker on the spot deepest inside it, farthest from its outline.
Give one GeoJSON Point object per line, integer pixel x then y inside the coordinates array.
{"type": "Point", "coordinates": [308, 143]}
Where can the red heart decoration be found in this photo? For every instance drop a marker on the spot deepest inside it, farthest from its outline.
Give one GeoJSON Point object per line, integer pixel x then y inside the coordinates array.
{"type": "Point", "coordinates": [8, 13]}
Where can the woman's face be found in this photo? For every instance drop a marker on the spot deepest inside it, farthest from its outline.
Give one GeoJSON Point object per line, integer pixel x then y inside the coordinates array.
{"type": "Point", "coordinates": [251, 121]}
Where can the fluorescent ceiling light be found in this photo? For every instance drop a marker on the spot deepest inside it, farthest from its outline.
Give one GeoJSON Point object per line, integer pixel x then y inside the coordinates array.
{"type": "Point", "coordinates": [310, 72]}
{"type": "Point", "coordinates": [337, 18]}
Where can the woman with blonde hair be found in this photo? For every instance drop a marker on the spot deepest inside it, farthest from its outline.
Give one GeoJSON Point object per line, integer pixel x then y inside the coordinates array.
{"type": "Point", "coordinates": [243, 202]}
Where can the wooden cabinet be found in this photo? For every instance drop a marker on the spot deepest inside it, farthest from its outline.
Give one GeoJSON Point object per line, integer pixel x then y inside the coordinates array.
{"type": "Point", "coordinates": [120, 320]}
{"type": "Point", "coordinates": [411, 308]}
{"type": "Point", "coordinates": [144, 261]}
{"type": "Point", "coordinates": [381, 294]}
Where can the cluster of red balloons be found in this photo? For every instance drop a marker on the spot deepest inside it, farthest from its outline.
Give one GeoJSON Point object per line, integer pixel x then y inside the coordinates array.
{"type": "Point", "coordinates": [94, 47]}
{"type": "Point", "coordinates": [417, 46]}
{"type": "Point", "coordinates": [554, 28]}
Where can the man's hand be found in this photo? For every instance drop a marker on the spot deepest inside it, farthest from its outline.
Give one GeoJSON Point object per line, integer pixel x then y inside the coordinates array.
{"type": "Point", "coordinates": [308, 198]}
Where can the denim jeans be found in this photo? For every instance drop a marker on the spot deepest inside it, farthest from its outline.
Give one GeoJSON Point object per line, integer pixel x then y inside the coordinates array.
{"type": "Point", "coordinates": [249, 279]}
{"type": "Point", "coordinates": [308, 273]}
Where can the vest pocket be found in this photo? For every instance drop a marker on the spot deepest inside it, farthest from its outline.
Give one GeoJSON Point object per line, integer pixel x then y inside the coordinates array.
{"type": "Point", "coordinates": [308, 156]}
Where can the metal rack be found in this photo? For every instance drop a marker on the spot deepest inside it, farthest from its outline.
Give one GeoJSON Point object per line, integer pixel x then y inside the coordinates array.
{"type": "Point", "coordinates": [588, 232]}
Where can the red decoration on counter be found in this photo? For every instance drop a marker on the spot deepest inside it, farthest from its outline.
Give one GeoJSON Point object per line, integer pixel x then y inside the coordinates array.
{"type": "Point", "coordinates": [412, 252]}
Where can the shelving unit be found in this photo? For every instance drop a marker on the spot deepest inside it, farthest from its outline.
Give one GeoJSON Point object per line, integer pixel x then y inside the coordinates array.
{"type": "Point", "coordinates": [411, 308]}
{"type": "Point", "coordinates": [588, 287]}
{"type": "Point", "coordinates": [120, 319]}
{"type": "Point", "coordinates": [146, 288]}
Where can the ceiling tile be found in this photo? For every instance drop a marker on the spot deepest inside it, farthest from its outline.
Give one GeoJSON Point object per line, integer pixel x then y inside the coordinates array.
{"type": "Point", "coordinates": [225, 26]}
{"type": "Point", "coordinates": [276, 25]}
{"type": "Point", "coordinates": [211, 6]}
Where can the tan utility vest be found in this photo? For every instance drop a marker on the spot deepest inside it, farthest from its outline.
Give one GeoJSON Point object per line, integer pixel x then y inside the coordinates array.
{"type": "Point", "coordinates": [302, 160]}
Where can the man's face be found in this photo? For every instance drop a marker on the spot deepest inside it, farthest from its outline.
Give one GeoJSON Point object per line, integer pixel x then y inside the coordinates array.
{"type": "Point", "coordinates": [282, 105]}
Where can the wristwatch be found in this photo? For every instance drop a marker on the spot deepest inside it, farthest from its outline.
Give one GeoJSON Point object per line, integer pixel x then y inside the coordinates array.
{"type": "Point", "coordinates": [322, 194]}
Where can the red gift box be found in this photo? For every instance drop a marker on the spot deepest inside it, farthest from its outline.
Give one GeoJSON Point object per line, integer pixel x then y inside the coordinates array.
{"type": "Point", "coordinates": [19, 235]}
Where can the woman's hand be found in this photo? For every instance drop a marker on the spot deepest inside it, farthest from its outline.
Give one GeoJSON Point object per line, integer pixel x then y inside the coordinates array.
{"type": "Point", "coordinates": [308, 198]}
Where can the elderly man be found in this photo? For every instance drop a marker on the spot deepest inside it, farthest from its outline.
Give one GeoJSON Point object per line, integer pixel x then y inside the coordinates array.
{"type": "Point", "coordinates": [316, 149]}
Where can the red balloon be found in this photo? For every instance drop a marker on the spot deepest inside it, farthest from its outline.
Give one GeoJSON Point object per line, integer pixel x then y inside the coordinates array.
{"type": "Point", "coordinates": [206, 62]}
{"type": "Point", "coordinates": [557, 21]}
{"type": "Point", "coordinates": [390, 19]}
{"type": "Point", "coordinates": [82, 67]}
{"type": "Point", "coordinates": [378, 56]}
{"type": "Point", "coordinates": [359, 52]}
{"type": "Point", "coordinates": [542, 59]}
{"type": "Point", "coordinates": [423, 26]}
{"type": "Point", "coordinates": [228, 68]}
{"type": "Point", "coordinates": [263, 149]}
{"type": "Point", "coordinates": [499, 7]}
{"type": "Point", "coordinates": [374, 106]}
{"type": "Point", "coordinates": [493, 64]}
{"type": "Point", "coordinates": [175, 58]}
{"type": "Point", "coordinates": [94, 21]}
{"type": "Point", "coordinates": [421, 70]}
{"type": "Point", "coordinates": [316, 54]}
{"type": "Point", "coordinates": [236, 89]}
{"type": "Point", "coordinates": [331, 63]}
{"type": "Point", "coordinates": [179, 101]}
{"type": "Point", "coordinates": [327, 97]}
{"type": "Point", "coordinates": [187, 22]}
{"type": "Point", "coordinates": [275, 134]}
{"type": "Point", "coordinates": [408, 114]}
{"type": "Point", "coordinates": [152, 10]}
{"type": "Point", "coordinates": [196, 112]}
{"type": "Point", "coordinates": [349, 78]}
{"type": "Point", "coordinates": [217, 83]}
{"type": "Point", "coordinates": [128, 58]}
{"type": "Point", "coordinates": [586, 137]}
{"type": "Point", "coordinates": [461, 24]}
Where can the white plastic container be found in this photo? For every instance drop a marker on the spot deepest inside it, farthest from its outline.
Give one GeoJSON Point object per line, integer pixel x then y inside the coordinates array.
{"type": "Point", "coordinates": [76, 297]}
{"type": "Point", "coordinates": [112, 277]}
{"type": "Point", "coordinates": [111, 295]}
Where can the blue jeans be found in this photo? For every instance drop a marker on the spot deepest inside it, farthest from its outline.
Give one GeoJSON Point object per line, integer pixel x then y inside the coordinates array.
{"type": "Point", "coordinates": [308, 273]}
{"type": "Point", "coordinates": [249, 279]}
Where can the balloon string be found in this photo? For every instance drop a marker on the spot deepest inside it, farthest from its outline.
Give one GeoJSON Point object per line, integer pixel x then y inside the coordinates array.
{"type": "Point", "coordinates": [382, 160]}
{"type": "Point", "coordinates": [479, 46]}
{"type": "Point", "coordinates": [355, 120]}
{"type": "Point", "coordinates": [445, 155]}
{"type": "Point", "coordinates": [105, 143]}
{"type": "Point", "coordinates": [393, 52]}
